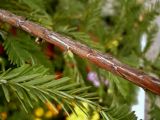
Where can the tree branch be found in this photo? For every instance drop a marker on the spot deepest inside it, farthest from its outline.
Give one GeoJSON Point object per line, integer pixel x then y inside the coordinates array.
{"type": "Point", "coordinates": [102, 60]}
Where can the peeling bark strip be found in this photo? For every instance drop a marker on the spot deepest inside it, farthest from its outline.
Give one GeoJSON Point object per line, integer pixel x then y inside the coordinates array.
{"type": "Point", "coordinates": [103, 60]}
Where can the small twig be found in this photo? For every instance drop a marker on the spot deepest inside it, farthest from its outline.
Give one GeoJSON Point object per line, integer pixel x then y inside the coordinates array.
{"type": "Point", "coordinates": [103, 60]}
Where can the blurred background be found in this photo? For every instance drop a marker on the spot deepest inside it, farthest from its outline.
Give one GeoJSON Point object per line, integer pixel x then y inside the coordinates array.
{"type": "Point", "coordinates": [126, 29]}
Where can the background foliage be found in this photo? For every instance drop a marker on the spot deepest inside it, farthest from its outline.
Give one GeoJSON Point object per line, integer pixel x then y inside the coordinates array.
{"type": "Point", "coordinates": [32, 72]}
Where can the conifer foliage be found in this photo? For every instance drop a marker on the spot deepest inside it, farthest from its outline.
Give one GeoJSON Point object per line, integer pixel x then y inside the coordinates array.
{"type": "Point", "coordinates": [34, 74]}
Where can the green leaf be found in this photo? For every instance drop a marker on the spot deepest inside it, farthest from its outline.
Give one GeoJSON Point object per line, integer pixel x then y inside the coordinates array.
{"type": "Point", "coordinates": [29, 86]}
{"type": "Point", "coordinates": [105, 117]}
{"type": "Point", "coordinates": [21, 49]}
{"type": "Point", "coordinates": [120, 112]}
{"type": "Point", "coordinates": [154, 112]}
{"type": "Point", "coordinates": [6, 92]}
{"type": "Point", "coordinates": [33, 83]}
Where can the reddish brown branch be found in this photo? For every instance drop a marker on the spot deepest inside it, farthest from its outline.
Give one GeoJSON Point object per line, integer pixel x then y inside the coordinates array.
{"type": "Point", "coordinates": [105, 61]}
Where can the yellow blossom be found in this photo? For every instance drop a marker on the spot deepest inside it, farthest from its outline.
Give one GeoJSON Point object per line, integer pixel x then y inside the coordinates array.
{"type": "Point", "coordinates": [48, 114]}
{"type": "Point", "coordinates": [80, 115]}
{"type": "Point", "coordinates": [37, 118]}
{"type": "Point", "coordinates": [39, 112]}
{"type": "Point", "coordinates": [95, 116]}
